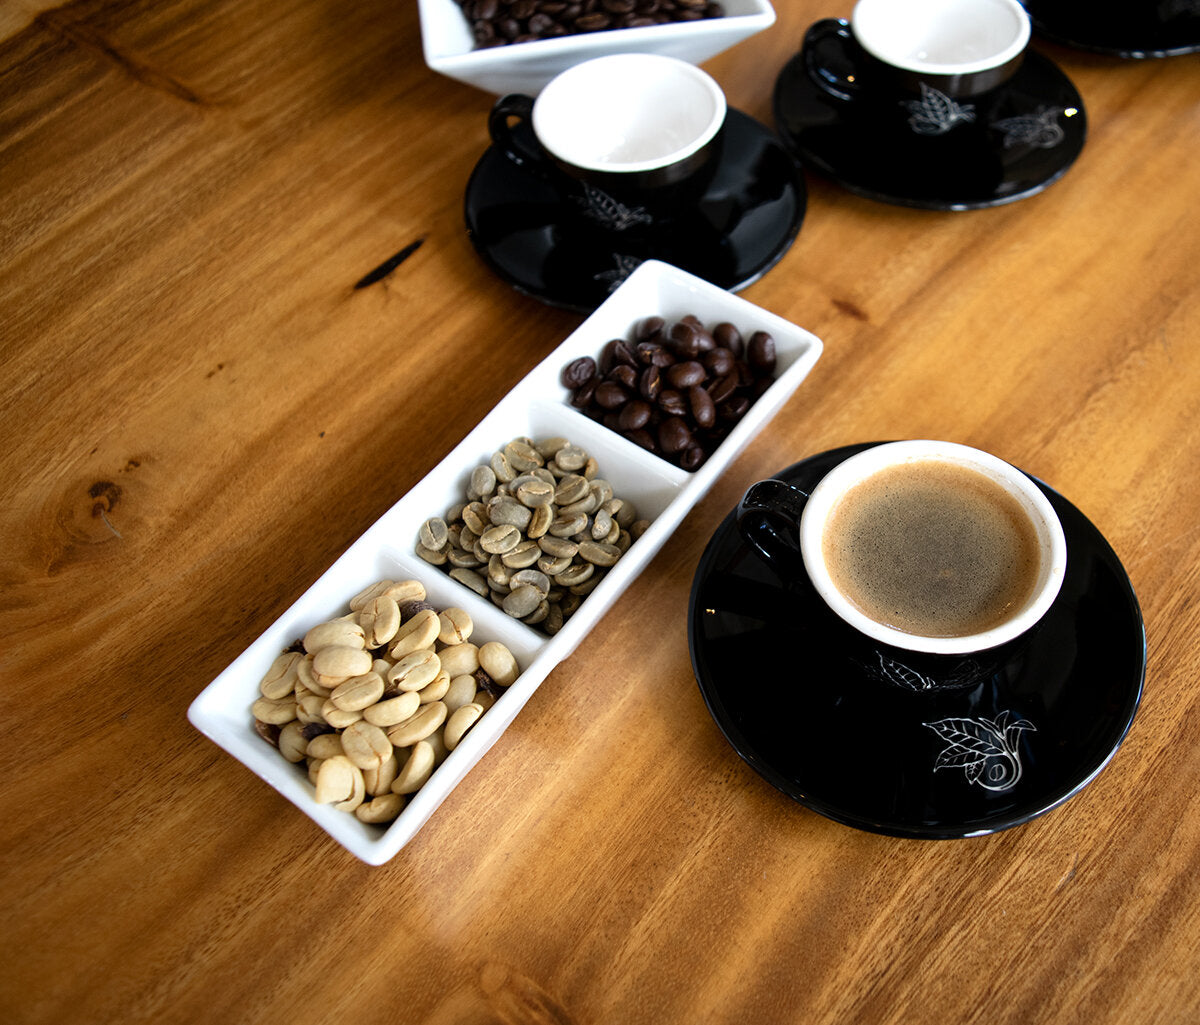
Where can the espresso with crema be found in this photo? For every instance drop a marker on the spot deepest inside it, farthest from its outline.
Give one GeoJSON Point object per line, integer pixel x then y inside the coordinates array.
{"type": "Point", "coordinates": [932, 548]}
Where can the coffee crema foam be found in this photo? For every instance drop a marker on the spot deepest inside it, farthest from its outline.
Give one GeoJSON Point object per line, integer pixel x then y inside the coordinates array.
{"type": "Point", "coordinates": [932, 548]}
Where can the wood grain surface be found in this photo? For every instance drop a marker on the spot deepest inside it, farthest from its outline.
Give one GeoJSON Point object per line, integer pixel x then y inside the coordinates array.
{"type": "Point", "coordinates": [201, 412]}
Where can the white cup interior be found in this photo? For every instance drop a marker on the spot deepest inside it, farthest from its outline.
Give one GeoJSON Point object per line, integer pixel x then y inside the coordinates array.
{"type": "Point", "coordinates": [826, 495]}
{"type": "Point", "coordinates": [943, 37]}
{"type": "Point", "coordinates": [628, 112]}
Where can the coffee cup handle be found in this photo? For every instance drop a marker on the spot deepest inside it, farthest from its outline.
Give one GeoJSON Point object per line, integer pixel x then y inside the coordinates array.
{"type": "Point", "coordinates": [768, 518]}
{"type": "Point", "coordinates": [831, 58]}
{"type": "Point", "coordinates": [521, 147]}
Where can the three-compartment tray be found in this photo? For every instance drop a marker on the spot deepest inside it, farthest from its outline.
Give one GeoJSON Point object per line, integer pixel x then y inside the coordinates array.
{"type": "Point", "coordinates": [537, 407]}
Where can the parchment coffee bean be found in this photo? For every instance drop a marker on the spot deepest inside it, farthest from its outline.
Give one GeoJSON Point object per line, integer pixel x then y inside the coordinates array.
{"type": "Point", "coordinates": [358, 692]}
{"type": "Point", "coordinates": [340, 783]}
{"type": "Point", "coordinates": [419, 725]}
{"type": "Point", "coordinates": [380, 809]}
{"type": "Point", "coordinates": [338, 632]}
{"type": "Point", "coordinates": [498, 662]}
{"type": "Point", "coordinates": [390, 711]}
{"type": "Point", "coordinates": [414, 671]}
{"type": "Point", "coordinates": [379, 619]}
{"type": "Point", "coordinates": [417, 768]}
{"type": "Point", "coordinates": [366, 745]}
{"type": "Point", "coordinates": [462, 720]}
{"type": "Point", "coordinates": [340, 662]}
{"type": "Point", "coordinates": [456, 626]}
{"type": "Point", "coordinates": [280, 679]}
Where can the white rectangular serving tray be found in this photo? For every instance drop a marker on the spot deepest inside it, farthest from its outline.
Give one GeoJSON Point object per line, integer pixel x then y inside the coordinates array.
{"type": "Point", "coordinates": [537, 407]}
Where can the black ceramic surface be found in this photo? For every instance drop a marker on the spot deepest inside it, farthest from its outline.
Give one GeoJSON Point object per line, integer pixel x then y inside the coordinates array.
{"type": "Point", "coordinates": [935, 747]}
{"type": "Point", "coordinates": [933, 152]}
{"type": "Point", "coordinates": [1134, 29]}
{"type": "Point", "coordinates": [572, 250]}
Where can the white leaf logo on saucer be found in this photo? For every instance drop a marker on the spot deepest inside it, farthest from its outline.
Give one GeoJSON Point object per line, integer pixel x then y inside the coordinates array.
{"type": "Point", "coordinates": [609, 212]}
{"type": "Point", "coordinates": [935, 113]}
{"type": "Point", "coordinates": [985, 749]}
{"type": "Point", "coordinates": [625, 265]}
{"type": "Point", "coordinates": [1041, 128]}
{"type": "Point", "coordinates": [889, 670]}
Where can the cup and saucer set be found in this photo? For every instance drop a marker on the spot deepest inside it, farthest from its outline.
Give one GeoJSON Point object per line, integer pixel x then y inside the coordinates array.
{"type": "Point", "coordinates": [1006, 694]}
{"type": "Point", "coordinates": [626, 158]}
{"type": "Point", "coordinates": [930, 104]}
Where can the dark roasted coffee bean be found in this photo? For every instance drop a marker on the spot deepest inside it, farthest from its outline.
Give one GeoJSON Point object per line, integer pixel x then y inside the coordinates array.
{"type": "Point", "coordinates": [578, 372]}
{"type": "Point", "coordinates": [760, 352]}
{"type": "Point", "coordinates": [692, 457]}
{"type": "Point", "coordinates": [624, 375]}
{"type": "Point", "coordinates": [655, 353]}
{"type": "Point", "coordinates": [729, 337]}
{"type": "Point", "coordinates": [610, 395]}
{"type": "Point", "coordinates": [722, 387]}
{"type": "Point", "coordinates": [701, 405]}
{"type": "Point", "coordinates": [650, 327]}
{"type": "Point", "coordinates": [505, 22]}
{"type": "Point", "coordinates": [717, 361]}
{"type": "Point", "coordinates": [733, 409]}
{"type": "Point", "coordinates": [634, 414]}
{"type": "Point", "coordinates": [684, 341]}
{"type": "Point", "coordinates": [581, 398]}
{"type": "Point", "coordinates": [615, 352]}
{"type": "Point", "coordinates": [650, 383]}
{"type": "Point", "coordinates": [672, 402]}
{"type": "Point", "coordinates": [674, 435]}
{"type": "Point", "coordinates": [675, 390]}
{"type": "Point", "coordinates": [642, 437]}
{"type": "Point", "coordinates": [684, 375]}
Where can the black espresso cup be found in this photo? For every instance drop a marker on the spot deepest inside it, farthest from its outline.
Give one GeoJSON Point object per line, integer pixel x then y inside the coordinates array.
{"type": "Point", "coordinates": [941, 51]}
{"type": "Point", "coordinates": [627, 136]}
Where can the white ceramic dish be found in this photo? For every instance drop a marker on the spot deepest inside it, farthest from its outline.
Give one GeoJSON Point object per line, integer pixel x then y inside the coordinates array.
{"type": "Point", "coordinates": [537, 407]}
{"type": "Point", "coordinates": [526, 67]}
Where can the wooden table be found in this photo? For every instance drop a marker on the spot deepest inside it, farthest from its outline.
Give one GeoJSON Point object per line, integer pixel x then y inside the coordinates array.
{"type": "Point", "coordinates": [201, 412]}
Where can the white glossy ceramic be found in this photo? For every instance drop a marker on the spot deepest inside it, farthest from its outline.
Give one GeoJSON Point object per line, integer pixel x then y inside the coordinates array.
{"type": "Point", "coordinates": [527, 67]}
{"type": "Point", "coordinates": [628, 112]}
{"type": "Point", "coordinates": [834, 485]}
{"type": "Point", "coordinates": [942, 37]}
{"type": "Point", "coordinates": [537, 407]}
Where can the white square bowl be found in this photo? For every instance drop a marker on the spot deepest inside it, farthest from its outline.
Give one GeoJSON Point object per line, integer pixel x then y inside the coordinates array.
{"type": "Point", "coordinates": [526, 67]}
{"type": "Point", "coordinates": [536, 407]}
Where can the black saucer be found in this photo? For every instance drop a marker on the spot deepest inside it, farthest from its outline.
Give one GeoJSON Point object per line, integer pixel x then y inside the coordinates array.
{"type": "Point", "coordinates": [548, 247]}
{"type": "Point", "coordinates": [1162, 28]}
{"type": "Point", "coordinates": [1001, 146]}
{"type": "Point", "coordinates": [881, 741]}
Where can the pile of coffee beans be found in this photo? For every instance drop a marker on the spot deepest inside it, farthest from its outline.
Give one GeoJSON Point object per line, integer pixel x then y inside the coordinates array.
{"type": "Point", "coordinates": [537, 532]}
{"type": "Point", "coordinates": [674, 389]}
{"type": "Point", "coordinates": [372, 702]}
{"type": "Point", "coordinates": [500, 22]}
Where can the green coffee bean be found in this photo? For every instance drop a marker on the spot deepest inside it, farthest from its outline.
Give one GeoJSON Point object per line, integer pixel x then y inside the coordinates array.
{"type": "Point", "coordinates": [433, 534]}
